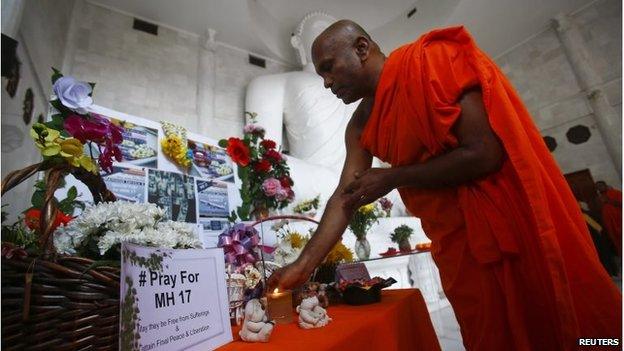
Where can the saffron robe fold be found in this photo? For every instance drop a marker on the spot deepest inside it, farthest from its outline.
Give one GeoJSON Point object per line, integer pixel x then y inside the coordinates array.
{"type": "Point", "coordinates": [515, 257]}
{"type": "Point", "coordinates": [612, 218]}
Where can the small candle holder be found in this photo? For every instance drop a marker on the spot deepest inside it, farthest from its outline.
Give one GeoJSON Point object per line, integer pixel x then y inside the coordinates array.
{"type": "Point", "coordinates": [280, 306]}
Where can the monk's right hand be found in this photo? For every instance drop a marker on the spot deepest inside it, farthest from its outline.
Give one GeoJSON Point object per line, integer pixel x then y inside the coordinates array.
{"type": "Point", "coordinates": [288, 277]}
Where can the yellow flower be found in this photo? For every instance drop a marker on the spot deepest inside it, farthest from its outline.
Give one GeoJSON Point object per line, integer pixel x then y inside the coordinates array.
{"type": "Point", "coordinates": [296, 240]}
{"type": "Point", "coordinates": [51, 143]}
{"type": "Point", "coordinates": [367, 208]}
{"type": "Point", "coordinates": [46, 139]}
{"type": "Point", "coordinates": [173, 147]}
{"type": "Point", "coordinates": [339, 254]}
{"type": "Point", "coordinates": [72, 151]}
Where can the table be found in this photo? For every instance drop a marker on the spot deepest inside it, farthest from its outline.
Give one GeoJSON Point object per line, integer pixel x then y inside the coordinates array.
{"type": "Point", "coordinates": [399, 322]}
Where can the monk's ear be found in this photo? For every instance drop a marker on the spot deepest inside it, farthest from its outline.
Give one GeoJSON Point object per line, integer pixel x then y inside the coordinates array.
{"type": "Point", "coordinates": [362, 48]}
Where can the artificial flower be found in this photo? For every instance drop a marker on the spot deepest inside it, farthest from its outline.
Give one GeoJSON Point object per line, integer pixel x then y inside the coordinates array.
{"type": "Point", "coordinates": [253, 129]}
{"type": "Point", "coordinates": [33, 216]}
{"type": "Point", "coordinates": [238, 151]}
{"type": "Point", "coordinates": [262, 166]}
{"type": "Point", "coordinates": [46, 139]}
{"type": "Point", "coordinates": [268, 144]}
{"type": "Point", "coordinates": [93, 128]}
{"type": "Point", "coordinates": [273, 155]}
{"type": "Point", "coordinates": [271, 186]}
{"type": "Point", "coordinates": [175, 144]}
{"type": "Point", "coordinates": [286, 181]}
{"type": "Point", "coordinates": [73, 94]}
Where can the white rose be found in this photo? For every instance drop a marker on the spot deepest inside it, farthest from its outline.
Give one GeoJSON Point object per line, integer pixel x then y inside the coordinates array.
{"type": "Point", "coordinates": [73, 93]}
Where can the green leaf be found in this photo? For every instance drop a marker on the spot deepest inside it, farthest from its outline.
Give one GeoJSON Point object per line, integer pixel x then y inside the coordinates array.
{"type": "Point", "coordinates": [40, 184]}
{"type": "Point", "coordinates": [56, 123]}
{"type": "Point", "coordinates": [66, 207]}
{"type": "Point", "coordinates": [56, 75]}
{"type": "Point", "coordinates": [72, 193]}
{"type": "Point", "coordinates": [37, 199]}
{"type": "Point", "coordinates": [223, 143]}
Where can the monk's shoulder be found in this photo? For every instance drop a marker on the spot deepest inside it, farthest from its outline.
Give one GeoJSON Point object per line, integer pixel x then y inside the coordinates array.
{"type": "Point", "coordinates": [361, 114]}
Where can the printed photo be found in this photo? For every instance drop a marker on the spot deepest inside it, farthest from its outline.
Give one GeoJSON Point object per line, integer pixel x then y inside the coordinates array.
{"type": "Point", "coordinates": [139, 146]}
{"type": "Point", "coordinates": [212, 197]}
{"type": "Point", "coordinates": [173, 192]}
{"type": "Point", "coordinates": [211, 162]}
{"type": "Point", "coordinates": [209, 230]}
{"type": "Point", "coordinates": [128, 184]}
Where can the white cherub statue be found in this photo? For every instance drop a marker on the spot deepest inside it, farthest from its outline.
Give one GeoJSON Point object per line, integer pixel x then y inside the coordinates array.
{"type": "Point", "coordinates": [311, 314]}
{"type": "Point", "coordinates": [256, 326]}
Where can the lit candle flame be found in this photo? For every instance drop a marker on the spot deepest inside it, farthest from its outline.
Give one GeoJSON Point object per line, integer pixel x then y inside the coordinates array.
{"type": "Point", "coordinates": [276, 291]}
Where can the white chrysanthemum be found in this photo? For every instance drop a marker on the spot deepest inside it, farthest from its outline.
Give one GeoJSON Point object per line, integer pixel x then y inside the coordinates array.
{"type": "Point", "coordinates": [114, 222]}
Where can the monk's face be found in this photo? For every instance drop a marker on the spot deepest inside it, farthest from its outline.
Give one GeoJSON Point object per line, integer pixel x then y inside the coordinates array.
{"type": "Point", "coordinates": [340, 65]}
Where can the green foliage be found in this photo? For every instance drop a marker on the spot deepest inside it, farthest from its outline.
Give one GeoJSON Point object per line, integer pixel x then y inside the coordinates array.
{"type": "Point", "coordinates": [362, 220]}
{"type": "Point", "coordinates": [18, 234]}
{"type": "Point", "coordinates": [67, 205]}
{"type": "Point", "coordinates": [402, 232]}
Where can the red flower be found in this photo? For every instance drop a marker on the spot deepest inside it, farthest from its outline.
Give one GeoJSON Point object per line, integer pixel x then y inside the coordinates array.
{"type": "Point", "coordinates": [268, 144]}
{"type": "Point", "coordinates": [32, 217]}
{"type": "Point", "coordinates": [262, 166]}
{"type": "Point", "coordinates": [286, 181]}
{"type": "Point", "coordinates": [238, 151]}
{"type": "Point", "coordinates": [273, 155]}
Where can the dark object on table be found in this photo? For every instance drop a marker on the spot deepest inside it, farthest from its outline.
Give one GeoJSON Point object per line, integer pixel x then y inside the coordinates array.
{"type": "Point", "coordinates": [358, 295]}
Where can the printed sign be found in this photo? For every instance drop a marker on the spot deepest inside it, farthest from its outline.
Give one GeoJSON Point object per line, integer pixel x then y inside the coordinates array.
{"type": "Point", "coordinates": [352, 271]}
{"type": "Point", "coordinates": [173, 299]}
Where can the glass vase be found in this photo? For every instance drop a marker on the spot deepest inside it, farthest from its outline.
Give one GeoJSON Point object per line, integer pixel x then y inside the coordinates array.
{"type": "Point", "coordinates": [362, 248]}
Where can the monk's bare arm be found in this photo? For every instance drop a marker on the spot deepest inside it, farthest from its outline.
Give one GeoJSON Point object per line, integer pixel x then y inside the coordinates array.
{"type": "Point", "coordinates": [479, 153]}
{"type": "Point", "coordinates": [336, 217]}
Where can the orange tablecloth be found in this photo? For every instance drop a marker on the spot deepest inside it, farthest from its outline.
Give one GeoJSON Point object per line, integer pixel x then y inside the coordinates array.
{"type": "Point", "coordinates": [399, 322]}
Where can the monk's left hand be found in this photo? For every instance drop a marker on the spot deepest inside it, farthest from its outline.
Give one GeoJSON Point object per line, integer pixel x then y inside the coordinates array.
{"type": "Point", "coordinates": [367, 187]}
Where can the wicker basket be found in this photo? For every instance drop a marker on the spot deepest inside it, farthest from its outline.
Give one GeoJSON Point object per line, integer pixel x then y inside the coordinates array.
{"type": "Point", "coordinates": [56, 302]}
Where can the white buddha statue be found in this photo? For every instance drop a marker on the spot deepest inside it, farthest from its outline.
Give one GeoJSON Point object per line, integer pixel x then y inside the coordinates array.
{"type": "Point", "coordinates": [314, 118]}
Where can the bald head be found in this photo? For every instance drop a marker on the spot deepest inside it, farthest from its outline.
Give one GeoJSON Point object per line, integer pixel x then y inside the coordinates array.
{"type": "Point", "coordinates": [348, 60]}
{"type": "Point", "coordinates": [343, 32]}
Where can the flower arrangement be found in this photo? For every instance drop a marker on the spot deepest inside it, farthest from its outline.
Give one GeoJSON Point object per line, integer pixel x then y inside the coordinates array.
{"type": "Point", "coordinates": [289, 248]}
{"type": "Point", "coordinates": [175, 144]}
{"type": "Point", "coordinates": [401, 235]}
{"type": "Point", "coordinates": [62, 139]}
{"type": "Point", "coordinates": [367, 215]}
{"type": "Point", "coordinates": [308, 207]}
{"type": "Point", "coordinates": [292, 243]}
{"type": "Point", "coordinates": [265, 176]}
{"type": "Point", "coordinates": [98, 232]}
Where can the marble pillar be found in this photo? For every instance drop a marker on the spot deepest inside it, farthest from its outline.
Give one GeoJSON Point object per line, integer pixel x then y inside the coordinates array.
{"type": "Point", "coordinates": [590, 82]}
{"type": "Point", "coordinates": [206, 80]}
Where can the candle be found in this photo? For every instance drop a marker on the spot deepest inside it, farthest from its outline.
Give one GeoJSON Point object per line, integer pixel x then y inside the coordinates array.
{"type": "Point", "coordinates": [280, 306]}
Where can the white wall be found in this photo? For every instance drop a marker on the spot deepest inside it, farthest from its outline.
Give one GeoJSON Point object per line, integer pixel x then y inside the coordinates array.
{"type": "Point", "coordinates": [42, 40]}
{"type": "Point", "coordinates": [541, 73]}
{"type": "Point", "coordinates": [156, 76]}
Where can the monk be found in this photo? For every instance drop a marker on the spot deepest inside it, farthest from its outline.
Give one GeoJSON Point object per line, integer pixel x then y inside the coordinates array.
{"type": "Point", "coordinates": [611, 200]}
{"type": "Point", "coordinates": [515, 257]}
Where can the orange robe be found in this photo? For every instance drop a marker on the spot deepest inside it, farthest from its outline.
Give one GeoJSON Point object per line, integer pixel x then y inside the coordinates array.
{"type": "Point", "coordinates": [516, 259]}
{"type": "Point", "coordinates": [612, 218]}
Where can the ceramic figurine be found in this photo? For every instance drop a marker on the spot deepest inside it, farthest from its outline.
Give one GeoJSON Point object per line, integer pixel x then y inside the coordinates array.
{"type": "Point", "coordinates": [311, 314]}
{"type": "Point", "coordinates": [256, 326]}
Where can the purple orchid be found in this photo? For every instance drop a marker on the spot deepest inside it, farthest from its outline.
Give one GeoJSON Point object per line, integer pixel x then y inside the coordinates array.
{"type": "Point", "coordinates": [99, 130]}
